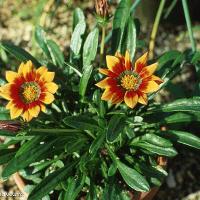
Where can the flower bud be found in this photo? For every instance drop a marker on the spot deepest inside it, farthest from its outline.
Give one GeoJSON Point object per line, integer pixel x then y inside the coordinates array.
{"type": "Point", "coordinates": [101, 7]}
{"type": "Point", "coordinates": [12, 126]}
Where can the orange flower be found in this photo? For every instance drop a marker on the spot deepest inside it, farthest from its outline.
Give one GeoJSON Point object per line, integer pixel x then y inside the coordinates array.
{"type": "Point", "coordinates": [28, 90]}
{"type": "Point", "coordinates": [126, 82]}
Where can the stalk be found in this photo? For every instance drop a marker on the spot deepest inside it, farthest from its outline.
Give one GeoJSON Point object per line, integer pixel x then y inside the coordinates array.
{"type": "Point", "coordinates": [155, 28]}
{"type": "Point", "coordinates": [188, 22]}
{"type": "Point", "coordinates": [103, 40]}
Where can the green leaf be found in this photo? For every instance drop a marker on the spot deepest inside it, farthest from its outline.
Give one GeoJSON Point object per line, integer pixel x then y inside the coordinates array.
{"type": "Point", "coordinates": [112, 169]}
{"type": "Point", "coordinates": [6, 155]}
{"type": "Point", "coordinates": [97, 143]}
{"type": "Point", "coordinates": [164, 151]}
{"type": "Point", "coordinates": [183, 137]}
{"type": "Point", "coordinates": [113, 191]}
{"type": "Point", "coordinates": [81, 122]}
{"type": "Point", "coordinates": [19, 53]}
{"type": "Point", "coordinates": [29, 144]}
{"type": "Point", "coordinates": [50, 182]}
{"type": "Point", "coordinates": [84, 80]}
{"type": "Point", "coordinates": [167, 57]}
{"type": "Point", "coordinates": [74, 187]}
{"type": "Point", "coordinates": [132, 178]}
{"type": "Point", "coordinates": [186, 105]}
{"type": "Point", "coordinates": [78, 16]}
{"type": "Point", "coordinates": [76, 40]}
{"type": "Point", "coordinates": [181, 117]}
{"type": "Point", "coordinates": [7, 133]}
{"type": "Point", "coordinates": [90, 48]}
{"type": "Point", "coordinates": [119, 22]}
{"type": "Point", "coordinates": [56, 54]}
{"type": "Point", "coordinates": [129, 42]}
{"type": "Point", "coordinates": [115, 127]}
{"type": "Point", "coordinates": [54, 132]}
{"type": "Point", "coordinates": [153, 139]}
{"type": "Point", "coordinates": [41, 40]}
{"type": "Point", "coordinates": [33, 154]}
{"type": "Point", "coordinates": [4, 113]}
{"type": "Point", "coordinates": [155, 174]}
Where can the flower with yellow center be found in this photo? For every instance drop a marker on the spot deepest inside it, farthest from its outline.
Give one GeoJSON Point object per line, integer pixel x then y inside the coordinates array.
{"type": "Point", "coordinates": [128, 83]}
{"type": "Point", "coordinates": [28, 90]}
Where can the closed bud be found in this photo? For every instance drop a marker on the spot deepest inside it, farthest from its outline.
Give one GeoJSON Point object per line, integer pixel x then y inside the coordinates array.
{"type": "Point", "coordinates": [102, 8]}
{"type": "Point", "coordinates": [12, 126]}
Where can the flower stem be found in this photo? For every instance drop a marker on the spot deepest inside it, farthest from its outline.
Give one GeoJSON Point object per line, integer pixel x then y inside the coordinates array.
{"type": "Point", "coordinates": [188, 22]}
{"type": "Point", "coordinates": [103, 41]}
{"type": "Point", "coordinates": [155, 28]}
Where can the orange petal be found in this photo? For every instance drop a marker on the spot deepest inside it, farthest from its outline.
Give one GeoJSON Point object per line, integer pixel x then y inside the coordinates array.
{"type": "Point", "coordinates": [15, 112]}
{"type": "Point", "coordinates": [156, 79]}
{"type": "Point", "coordinates": [141, 62]}
{"type": "Point", "coordinates": [48, 76]}
{"type": "Point", "coordinates": [9, 105]}
{"type": "Point", "coordinates": [20, 69]}
{"type": "Point", "coordinates": [107, 72]}
{"type": "Point", "coordinates": [107, 82]}
{"type": "Point", "coordinates": [117, 97]}
{"type": "Point", "coordinates": [27, 68]}
{"type": "Point", "coordinates": [43, 108]}
{"type": "Point", "coordinates": [41, 70]}
{"type": "Point", "coordinates": [34, 111]}
{"type": "Point", "coordinates": [118, 54]}
{"type": "Point", "coordinates": [142, 98]}
{"type": "Point", "coordinates": [114, 64]}
{"type": "Point", "coordinates": [149, 70]}
{"type": "Point", "coordinates": [127, 61]}
{"type": "Point", "coordinates": [107, 95]}
{"type": "Point", "coordinates": [49, 98]}
{"type": "Point", "coordinates": [149, 86]}
{"type": "Point", "coordinates": [5, 91]}
{"type": "Point", "coordinates": [26, 116]}
{"type": "Point", "coordinates": [11, 76]}
{"type": "Point", "coordinates": [51, 87]}
{"type": "Point", "coordinates": [131, 99]}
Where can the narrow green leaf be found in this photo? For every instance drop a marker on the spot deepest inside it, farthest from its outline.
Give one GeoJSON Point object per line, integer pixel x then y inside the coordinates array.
{"type": "Point", "coordinates": [133, 179]}
{"type": "Point", "coordinates": [74, 187]}
{"type": "Point", "coordinates": [84, 80]}
{"type": "Point", "coordinates": [56, 54]}
{"type": "Point", "coordinates": [19, 53]}
{"type": "Point", "coordinates": [81, 122]}
{"type": "Point", "coordinates": [78, 16]}
{"type": "Point", "coordinates": [153, 139]}
{"type": "Point", "coordinates": [186, 105]}
{"type": "Point", "coordinates": [28, 145]}
{"type": "Point", "coordinates": [183, 137]}
{"type": "Point", "coordinates": [76, 40]}
{"type": "Point", "coordinates": [181, 117]}
{"type": "Point", "coordinates": [129, 42]}
{"type": "Point", "coordinates": [41, 40]}
{"type": "Point", "coordinates": [6, 155]}
{"type": "Point", "coordinates": [115, 127]}
{"type": "Point", "coordinates": [50, 182]}
{"type": "Point", "coordinates": [119, 22]}
{"type": "Point", "coordinates": [4, 113]}
{"type": "Point", "coordinates": [164, 151]}
{"type": "Point", "coordinates": [90, 48]}
{"type": "Point", "coordinates": [32, 154]}
{"type": "Point", "coordinates": [97, 143]}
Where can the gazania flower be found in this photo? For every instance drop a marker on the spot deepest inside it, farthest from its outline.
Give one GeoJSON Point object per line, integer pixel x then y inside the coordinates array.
{"type": "Point", "coordinates": [126, 82]}
{"type": "Point", "coordinates": [28, 90]}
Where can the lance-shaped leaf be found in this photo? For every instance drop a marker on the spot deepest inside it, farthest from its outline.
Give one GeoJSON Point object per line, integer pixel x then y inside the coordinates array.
{"type": "Point", "coordinates": [115, 127]}
{"type": "Point", "coordinates": [133, 178]}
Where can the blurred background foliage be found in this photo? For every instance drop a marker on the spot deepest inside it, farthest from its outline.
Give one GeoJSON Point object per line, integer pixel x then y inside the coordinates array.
{"type": "Point", "coordinates": [18, 20]}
